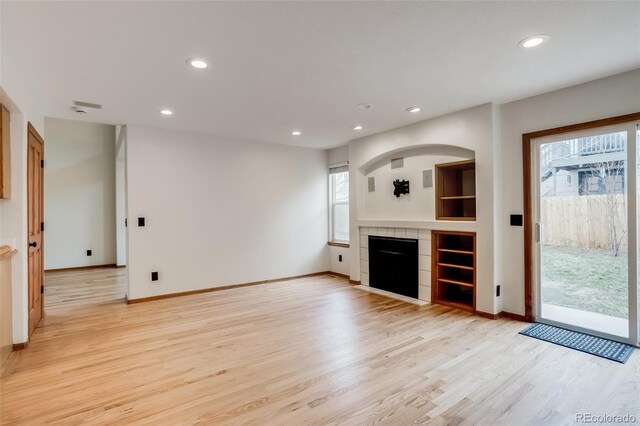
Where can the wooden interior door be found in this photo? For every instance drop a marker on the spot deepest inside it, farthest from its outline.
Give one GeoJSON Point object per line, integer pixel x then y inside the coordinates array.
{"type": "Point", "coordinates": [35, 221]}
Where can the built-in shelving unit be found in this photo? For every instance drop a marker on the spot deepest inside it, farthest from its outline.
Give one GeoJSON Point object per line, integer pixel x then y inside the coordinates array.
{"type": "Point", "coordinates": [453, 271]}
{"type": "Point", "coordinates": [456, 190]}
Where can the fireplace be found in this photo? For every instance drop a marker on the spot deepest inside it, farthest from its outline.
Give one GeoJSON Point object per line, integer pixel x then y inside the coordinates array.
{"type": "Point", "coordinates": [393, 265]}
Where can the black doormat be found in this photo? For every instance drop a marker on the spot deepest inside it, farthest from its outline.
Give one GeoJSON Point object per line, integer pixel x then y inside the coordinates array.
{"type": "Point", "coordinates": [605, 348]}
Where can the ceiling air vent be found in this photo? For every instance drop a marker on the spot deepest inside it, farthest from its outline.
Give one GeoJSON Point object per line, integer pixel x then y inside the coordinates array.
{"type": "Point", "coordinates": [83, 107]}
{"type": "Point", "coordinates": [86, 105]}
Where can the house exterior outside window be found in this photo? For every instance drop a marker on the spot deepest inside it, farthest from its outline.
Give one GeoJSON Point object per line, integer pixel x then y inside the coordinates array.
{"type": "Point", "coordinates": [593, 165]}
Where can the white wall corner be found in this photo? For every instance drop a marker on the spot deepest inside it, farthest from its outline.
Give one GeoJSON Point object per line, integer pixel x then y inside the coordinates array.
{"type": "Point", "coordinates": [499, 217]}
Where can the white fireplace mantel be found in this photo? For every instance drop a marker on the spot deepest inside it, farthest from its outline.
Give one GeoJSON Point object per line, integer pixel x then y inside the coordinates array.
{"type": "Point", "coordinates": [436, 225]}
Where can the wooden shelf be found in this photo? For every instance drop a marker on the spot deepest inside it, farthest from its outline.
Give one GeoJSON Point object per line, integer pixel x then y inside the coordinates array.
{"type": "Point", "coordinates": [449, 265]}
{"type": "Point", "coordinates": [454, 269]}
{"type": "Point", "coordinates": [443, 280]}
{"type": "Point", "coordinates": [456, 190]}
{"type": "Point", "coordinates": [456, 251]}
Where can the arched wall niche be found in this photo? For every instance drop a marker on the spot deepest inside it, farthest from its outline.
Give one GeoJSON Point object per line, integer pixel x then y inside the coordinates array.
{"type": "Point", "coordinates": [416, 151]}
{"type": "Point", "coordinates": [419, 204]}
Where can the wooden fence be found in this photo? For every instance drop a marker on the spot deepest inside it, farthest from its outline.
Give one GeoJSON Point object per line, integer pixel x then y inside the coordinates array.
{"type": "Point", "coordinates": [584, 221]}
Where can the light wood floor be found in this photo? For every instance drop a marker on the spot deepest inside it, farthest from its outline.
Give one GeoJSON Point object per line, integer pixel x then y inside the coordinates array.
{"type": "Point", "coordinates": [309, 351]}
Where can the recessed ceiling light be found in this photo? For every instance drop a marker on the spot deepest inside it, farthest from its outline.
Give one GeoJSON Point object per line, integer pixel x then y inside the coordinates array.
{"type": "Point", "coordinates": [364, 106]}
{"type": "Point", "coordinates": [166, 112]}
{"type": "Point", "coordinates": [197, 63]}
{"type": "Point", "coordinates": [533, 41]}
{"type": "Point", "coordinates": [413, 109]}
{"type": "Point", "coordinates": [296, 133]}
{"type": "Point", "coordinates": [357, 128]}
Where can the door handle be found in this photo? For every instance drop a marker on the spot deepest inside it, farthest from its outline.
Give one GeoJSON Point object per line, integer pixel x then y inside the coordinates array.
{"type": "Point", "coordinates": [33, 244]}
{"type": "Point", "coordinates": [538, 232]}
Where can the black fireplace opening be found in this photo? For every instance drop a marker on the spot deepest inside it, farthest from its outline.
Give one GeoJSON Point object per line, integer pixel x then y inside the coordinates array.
{"type": "Point", "coordinates": [393, 265]}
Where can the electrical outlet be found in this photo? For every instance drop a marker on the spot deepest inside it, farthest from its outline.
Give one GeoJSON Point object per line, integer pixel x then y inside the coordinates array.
{"type": "Point", "coordinates": [154, 276]}
{"type": "Point", "coordinates": [88, 252]}
{"type": "Point", "coordinates": [339, 258]}
{"type": "Point", "coordinates": [498, 291]}
{"type": "Point", "coordinates": [141, 222]}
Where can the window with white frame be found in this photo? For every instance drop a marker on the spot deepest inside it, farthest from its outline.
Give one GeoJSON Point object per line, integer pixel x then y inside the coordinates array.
{"type": "Point", "coordinates": [339, 204]}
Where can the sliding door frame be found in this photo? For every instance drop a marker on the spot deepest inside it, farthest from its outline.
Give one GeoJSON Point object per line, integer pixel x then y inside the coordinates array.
{"type": "Point", "coordinates": [628, 128]}
{"type": "Point", "coordinates": [527, 139]}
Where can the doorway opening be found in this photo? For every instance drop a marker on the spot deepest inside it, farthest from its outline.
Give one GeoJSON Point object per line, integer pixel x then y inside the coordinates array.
{"type": "Point", "coordinates": [84, 259]}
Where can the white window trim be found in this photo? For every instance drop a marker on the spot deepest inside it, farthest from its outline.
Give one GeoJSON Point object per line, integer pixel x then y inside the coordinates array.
{"type": "Point", "coordinates": [333, 204]}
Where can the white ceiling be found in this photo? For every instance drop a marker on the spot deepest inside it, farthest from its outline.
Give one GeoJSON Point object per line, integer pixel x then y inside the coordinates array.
{"type": "Point", "coordinates": [280, 66]}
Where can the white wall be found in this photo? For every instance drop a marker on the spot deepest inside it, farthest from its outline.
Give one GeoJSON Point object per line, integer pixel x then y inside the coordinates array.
{"type": "Point", "coordinates": [221, 211]}
{"type": "Point", "coordinates": [608, 97]}
{"type": "Point", "coordinates": [473, 129]}
{"type": "Point", "coordinates": [79, 187]}
{"type": "Point", "coordinates": [121, 194]}
{"type": "Point", "coordinates": [335, 265]}
{"type": "Point", "coordinates": [338, 155]}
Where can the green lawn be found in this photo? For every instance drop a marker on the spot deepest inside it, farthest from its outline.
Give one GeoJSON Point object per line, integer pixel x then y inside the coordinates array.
{"type": "Point", "coordinates": [585, 279]}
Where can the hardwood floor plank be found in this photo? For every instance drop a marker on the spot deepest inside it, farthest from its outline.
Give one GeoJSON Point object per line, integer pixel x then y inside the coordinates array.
{"type": "Point", "coordinates": [309, 351]}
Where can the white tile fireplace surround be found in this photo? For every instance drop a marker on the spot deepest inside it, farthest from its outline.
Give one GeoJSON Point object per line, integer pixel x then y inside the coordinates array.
{"type": "Point", "coordinates": [424, 254]}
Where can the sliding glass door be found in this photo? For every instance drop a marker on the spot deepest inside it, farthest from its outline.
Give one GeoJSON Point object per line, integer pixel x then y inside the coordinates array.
{"type": "Point", "coordinates": [585, 194]}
